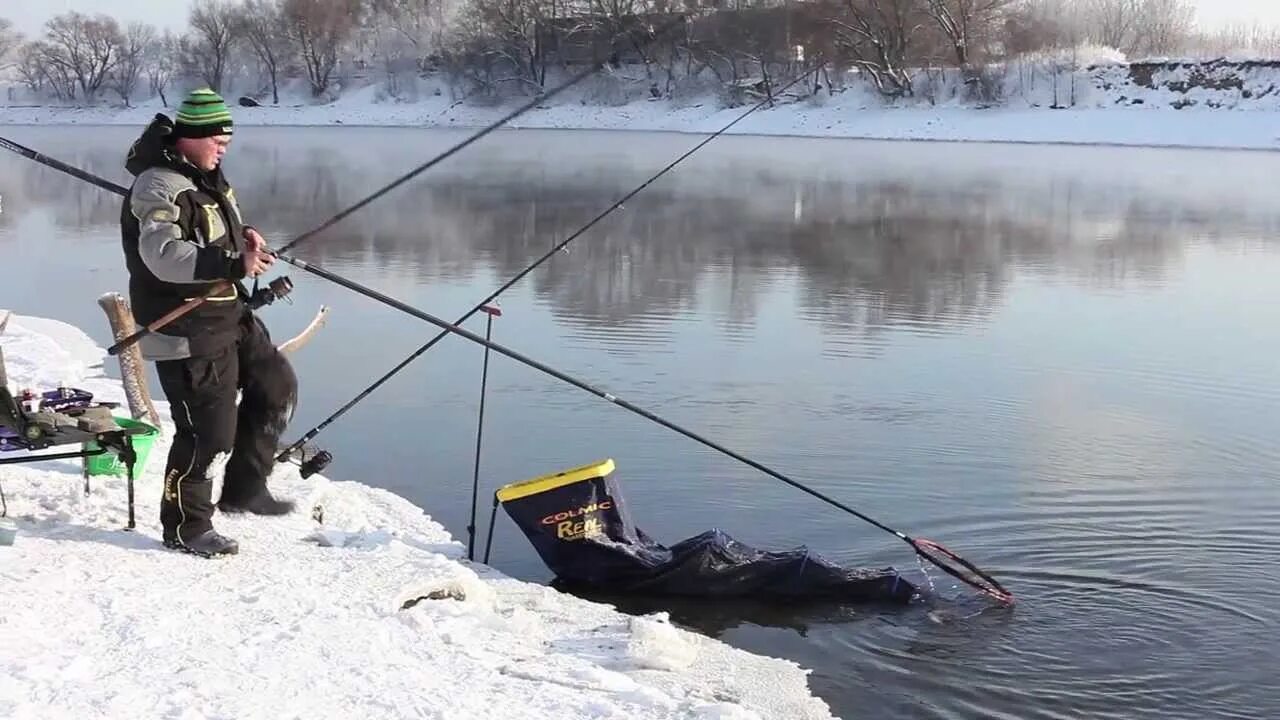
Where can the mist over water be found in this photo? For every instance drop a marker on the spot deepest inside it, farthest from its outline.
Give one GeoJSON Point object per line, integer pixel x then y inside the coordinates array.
{"type": "Point", "coordinates": [1060, 362]}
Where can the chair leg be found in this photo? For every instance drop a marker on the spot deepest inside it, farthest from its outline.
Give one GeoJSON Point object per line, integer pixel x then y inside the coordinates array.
{"type": "Point", "coordinates": [130, 457]}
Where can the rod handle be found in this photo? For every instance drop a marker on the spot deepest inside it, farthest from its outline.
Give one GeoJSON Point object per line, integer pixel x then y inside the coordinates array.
{"type": "Point", "coordinates": [165, 319]}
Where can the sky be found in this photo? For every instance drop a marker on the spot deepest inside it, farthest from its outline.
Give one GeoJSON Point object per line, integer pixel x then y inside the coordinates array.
{"type": "Point", "coordinates": [30, 15]}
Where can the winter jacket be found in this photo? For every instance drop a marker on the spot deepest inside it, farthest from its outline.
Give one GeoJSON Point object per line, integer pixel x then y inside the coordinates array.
{"type": "Point", "coordinates": [182, 233]}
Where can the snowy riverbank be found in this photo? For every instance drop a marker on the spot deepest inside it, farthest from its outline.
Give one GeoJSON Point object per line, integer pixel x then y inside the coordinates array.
{"type": "Point", "coordinates": [310, 620]}
{"type": "Point", "coordinates": [848, 115]}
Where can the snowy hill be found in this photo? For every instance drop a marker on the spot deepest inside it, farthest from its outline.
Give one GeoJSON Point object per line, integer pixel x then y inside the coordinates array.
{"type": "Point", "coordinates": [369, 613]}
{"type": "Point", "coordinates": [1179, 84]}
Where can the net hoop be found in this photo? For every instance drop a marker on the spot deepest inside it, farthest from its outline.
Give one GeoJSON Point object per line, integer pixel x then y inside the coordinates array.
{"type": "Point", "coordinates": [984, 582]}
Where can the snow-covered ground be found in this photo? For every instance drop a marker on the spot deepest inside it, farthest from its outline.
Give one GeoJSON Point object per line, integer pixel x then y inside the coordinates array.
{"type": "Point", "coordinates": [1228, 106]}
{"type": "Point", "coordinates": [313, 619]}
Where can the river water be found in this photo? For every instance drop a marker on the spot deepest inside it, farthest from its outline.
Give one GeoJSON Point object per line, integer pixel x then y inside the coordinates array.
{"type": "Point", "coordinates": [1061, 362]}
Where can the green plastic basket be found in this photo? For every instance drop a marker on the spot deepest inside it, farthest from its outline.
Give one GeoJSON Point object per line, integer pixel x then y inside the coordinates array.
{"type": "Point", "coordinates": [109, 463]}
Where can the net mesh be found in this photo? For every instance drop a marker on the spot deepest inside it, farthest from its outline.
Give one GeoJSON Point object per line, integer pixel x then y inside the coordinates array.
{"type": "Point", "coordinates": [962, 569]}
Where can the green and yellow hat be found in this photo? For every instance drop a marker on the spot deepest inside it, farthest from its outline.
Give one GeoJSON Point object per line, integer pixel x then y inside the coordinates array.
{"type": "Point", "coordinates": [202, 114]}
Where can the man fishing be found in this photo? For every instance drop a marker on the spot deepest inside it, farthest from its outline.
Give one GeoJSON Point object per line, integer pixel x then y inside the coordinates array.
{"type": "Point", "coordinates": [183, 234]}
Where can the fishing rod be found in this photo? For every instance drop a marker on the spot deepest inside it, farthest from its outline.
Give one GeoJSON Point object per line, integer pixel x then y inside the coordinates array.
{"type": "Point", "coordinates": [310, 434]}
{"type": "Point", "coordinates": [59, 165]}
{"type": "Point", "coordinates": [928, 549]}
{"type": "Point", "coordinates": [934, 552]}
{"type": "Point", "coordinates": [222, 286]}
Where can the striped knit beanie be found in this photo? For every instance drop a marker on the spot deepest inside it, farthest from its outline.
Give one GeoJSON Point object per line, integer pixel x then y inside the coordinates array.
{"type": "Point", "coordinates": [202, 114]}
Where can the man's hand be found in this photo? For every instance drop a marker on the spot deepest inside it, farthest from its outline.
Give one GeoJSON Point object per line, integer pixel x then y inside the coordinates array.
{"type": "Point", "coordinates": [256, 258]}
{"type": "Point", "coordinates": [254, 239]}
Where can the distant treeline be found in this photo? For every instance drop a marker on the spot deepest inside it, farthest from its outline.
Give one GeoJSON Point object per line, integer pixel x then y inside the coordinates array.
{"type": "Point", "coordinates": [492, 49]}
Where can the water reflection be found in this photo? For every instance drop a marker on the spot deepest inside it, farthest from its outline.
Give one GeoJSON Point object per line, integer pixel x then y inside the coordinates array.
{"type": "Point", "coordinates": [866, 250]}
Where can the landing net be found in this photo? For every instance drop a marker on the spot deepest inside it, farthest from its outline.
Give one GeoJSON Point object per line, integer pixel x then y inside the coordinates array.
{"type": "Point", "coordinates": [962, 569]}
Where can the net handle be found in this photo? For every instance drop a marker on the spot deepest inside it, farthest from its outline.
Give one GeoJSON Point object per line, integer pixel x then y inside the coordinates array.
{"type": "Point", "coordinates": [993, 588]}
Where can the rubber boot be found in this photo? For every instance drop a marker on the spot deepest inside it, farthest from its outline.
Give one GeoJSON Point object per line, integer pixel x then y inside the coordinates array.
{"type": "Point", "coordinates": [206, 544]}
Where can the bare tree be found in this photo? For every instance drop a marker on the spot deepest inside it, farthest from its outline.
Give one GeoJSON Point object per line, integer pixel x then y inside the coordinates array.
{"type": "Point", "coordinates": [404, 36]}
{"type": "Point", "coordinates": [1053, 29]}
{"type": "Point", "coordinates": [32, 71]}
{"type": "Point", "coordinates": [1255, 39]}
{"type": "Point", "coordinates": [748, 49]}
{"type": "Point", "coordinates": [1115, 23]}
{"type": "Point", "coordinates": [419, 24]}
{"type": "Point", "coordinates": [669, 51]}
{"type": "Point", "coordinates": [80, 49]}
{"type": "Point", "coordinates": [10, 41]}
{"type": "Point", "coordinates": [1165, 27]}
{"type": "Point", "coordinates": [1035, 25]}
{"type": "Point", "coordinates": [137, 41]}
{"type": "Point", "coordinates": [624, 20]}
{"type": "Point", "coordinates": [879, 34]}
{"type": "Point", "coordinates": [213, 33]}
{"type": "Point", "coordinates": [503, 42]}
{"type": "Point", "coordinates": [319, 28]}
{"type": "Point", "coordinates": [965, 23]}
{"type": "Point", "coordinates": [261, 24]}
{"type": "Point", "coordinates": [515, 24]}
{"type": "Point", "coordinates": [160, 61]}
{"type": "Point", "coordinates": [1134, 27]}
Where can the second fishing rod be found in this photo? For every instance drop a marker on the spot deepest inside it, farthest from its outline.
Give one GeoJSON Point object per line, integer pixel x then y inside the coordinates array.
{"type": "Point", "coordinates": [562, 245]}
{"type": "Point", "coordinates": [940, 556]}
{"type": "Point", "coordinates": [651, 36]}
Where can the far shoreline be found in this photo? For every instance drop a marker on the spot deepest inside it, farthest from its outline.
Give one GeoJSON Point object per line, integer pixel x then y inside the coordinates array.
{"type": "Point", "coordinates": [1149, 128]}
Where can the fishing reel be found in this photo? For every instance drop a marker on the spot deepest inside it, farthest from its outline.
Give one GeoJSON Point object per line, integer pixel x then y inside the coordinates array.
{"type": "Point", "coordinates": [277, 289]}
{"type": "Point", "coordinates": [307, 466]}
{"type": "Point", "coordinates": [315, 463]}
